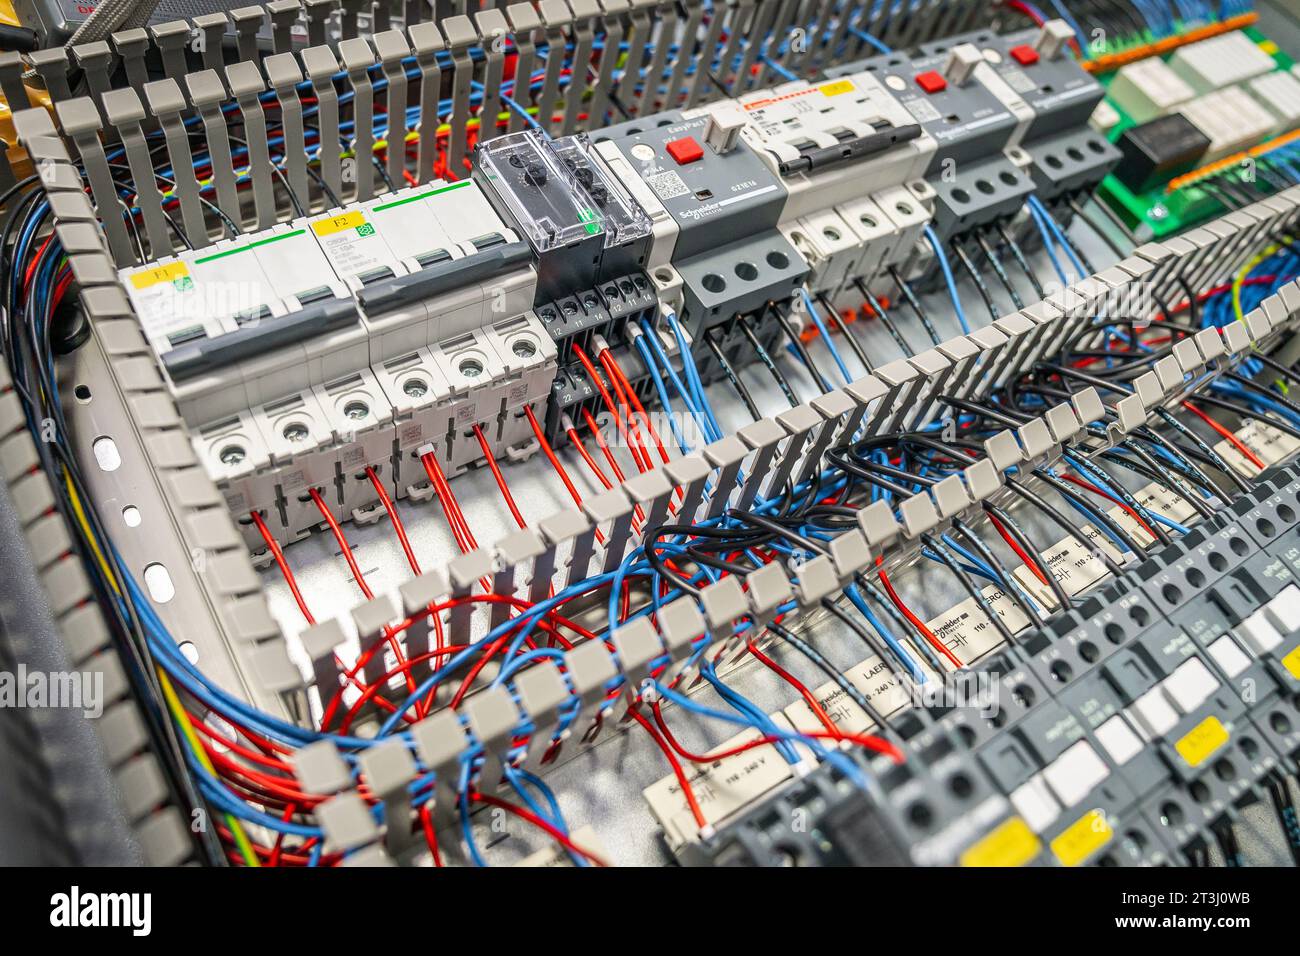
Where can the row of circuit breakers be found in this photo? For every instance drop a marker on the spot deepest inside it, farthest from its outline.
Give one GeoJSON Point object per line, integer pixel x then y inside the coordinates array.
{"type": "Point", "coordinates": [371, 334]}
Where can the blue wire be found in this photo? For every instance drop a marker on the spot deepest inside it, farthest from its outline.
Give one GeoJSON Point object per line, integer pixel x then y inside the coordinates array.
{"type": "Point", "coordinates": [942, 258]}
{"type": "Point", "coordinates": [826, 336]}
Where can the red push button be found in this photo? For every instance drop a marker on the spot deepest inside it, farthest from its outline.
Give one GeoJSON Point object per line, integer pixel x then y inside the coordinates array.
{"type": "Point", "coordinates": [931, 81]}
{"type": "Point", "coordinates": [685, 150]}
{"type": "Point", "coordinates": [1024, 54]}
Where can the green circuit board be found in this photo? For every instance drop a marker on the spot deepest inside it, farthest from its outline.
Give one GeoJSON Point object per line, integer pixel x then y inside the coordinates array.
{"type": "Point", "coordinates": [1159, 212]}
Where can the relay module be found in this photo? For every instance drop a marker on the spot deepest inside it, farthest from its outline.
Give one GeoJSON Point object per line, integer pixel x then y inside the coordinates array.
{"type": "Point", "coordinates": [633, 432]}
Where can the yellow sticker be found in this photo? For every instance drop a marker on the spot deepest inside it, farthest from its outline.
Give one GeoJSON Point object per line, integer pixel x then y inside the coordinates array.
{"type": "Point", "coordinates": [1011, 844]}
{"type": "Point", "coordinates": [1082, 838]}
{"type": "Point", "coordinates": [328, 227]}
{"type": "Point", "coordinates": [1202, 741]}
{"type": "Point", "coordinates": [1269, 47]}
{"type": "Point", "coordinates": [167, 273]}
{"type": "Point", "coordinates": [1292, 662]}
{"type": "Point", "coordinates": [837, 88]}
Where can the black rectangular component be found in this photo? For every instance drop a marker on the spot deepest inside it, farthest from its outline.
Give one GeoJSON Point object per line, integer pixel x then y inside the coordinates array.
{"type": "Point", "coordinates": [1156, 152]}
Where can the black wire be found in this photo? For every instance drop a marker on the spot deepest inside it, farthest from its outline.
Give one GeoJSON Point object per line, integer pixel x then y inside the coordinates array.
{"type": "Point", "coordinates": [766, 359]}
{"type": "Point", "coordinates": [732, 375]}
{"type": "Point", "coordinates": [990, 253]}
{"type": "Point", "coordinates": [1019, 255]}
{"type": "Point", "coordinates": [878, 647]}
{"type": "Point", "coordinates": [874, 304]}
{"type": "Point", "coordinates": [964, 259]}
{"type": "Point", "coordinates": [822, 664]}
{"type": "Point", "coordinates": [1010, 585]}
{"type": "Point", "coordinates": [1095, 226]}
{"type": "Point", "coordinates": [964, 578]}
{"type": "Point", "coordinates": [800, 350]}
{"type": "Point", "coordinates": [840, 324]}
{"type": "Point", "coordinates": [1017, 534]}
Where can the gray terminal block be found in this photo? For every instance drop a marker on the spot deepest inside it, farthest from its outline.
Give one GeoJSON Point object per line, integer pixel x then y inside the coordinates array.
{"type": "Point", "coordinates": [818, 578]}
{"type": "Point", "coordinates": [763, 439]}
{"type": "Point", "coordinates": [427, 41]}
{"type": "Point", "coordinates": [869, 395]}
{"type": "Point", "coordinates": [371, 620]}
{"type": "Point", "coordinates": [689, 473]}
{"type": "Point", "coordinates": [521, 551]}
{"type": "Point", "coordinates": [878, 526]}
{"type": "Point", "coordinates": [935, 370]}
{"type": "Point", "coordinates": [417, 595]}
{"type": "Point", "coordinates": [798, 423]}
{"type": "Point", "coordinates": [612, 513]}
{"type": "Point", "coordinates": [727, 455]}
{"type": "Point", "coordinates": [441, 743]}
{"type": "Point", "coordinates": [321, 769]}
{"type": "Point", "coordinates": [542, 692]}
{"type": "Point", "coordinates": [493, 719]}
{"type": "Point", "coordinates": [966, 352]}
{"type": "Point", "coordinates": [651, 490]}
{"type": "Point", "coordinates": [681, 624]}
{"type": "Point", "coordinates": [918, 514]}
{"type": "Point", "coordinates": [982, 479]}
{"type": "Point", "coordinates": [388, 769]}
{"type": "Point", "coordinates": [463, 573]}
{"type": "Point", "coordinates": [1003, 450]}
{"type": "Point", "coordinates": [904, 381]}
{"type": "Point", "coordinates": [637, 646]}
{"type": "Point", "coordinates": [769, 588]}
{"type": "Point", "coordinates": [723, 603]}
{"type": "Point", "coordinates": [347, 822]}
{"type": "Point", "coordinates": [951, 496]}
{"type": "Point", "coordinates": [493, 28]}
{"type": "Point", "coordinates": [321, 641]}
{"type": "Point", "coordinates": [591, 670]}
{"type": "Point", "coordinates": [574, 529]}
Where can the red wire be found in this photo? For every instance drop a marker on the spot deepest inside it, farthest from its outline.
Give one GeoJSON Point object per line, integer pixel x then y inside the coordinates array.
{"type": "Point", "coordinates": [1131, 512]}
{"type": "Point", "coordinates": [555, 463]}
{"type": "Point", "coordinates": [500, 478]}
{"type": "Point", "coordinates": [450, 507]}
{"type": "Point", "coordinates": [1029, 562]}
{"type": "Point", "coordinates": [1236, 442]}
{"type": "Point", "coordinates": [920, 625]}
{"type": "Point", "coordinates": [342, 543]}
{"type": "Point", "coordinates": [395, 518]}
{"type": "Point", "coordinates": [683, 781]}
{"type": "Point", "coordinates": [577, 442]}
{"type": "Point", "coordinates": [273, 546]}
{"type": "Point", "coordinates": [634, 447]}
{"type": "Point", "coordinates": [430, 836]}
{"type": "Point", "coordinates": [538, 822]}
{"type": "Point", "coordinates": [790, 679]}
{"type": "Point", "coordinates": [611, 364]}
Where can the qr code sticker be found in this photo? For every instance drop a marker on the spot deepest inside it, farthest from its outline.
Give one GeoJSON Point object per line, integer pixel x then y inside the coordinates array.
{"type": "Point", "coordinates": [668, 185]}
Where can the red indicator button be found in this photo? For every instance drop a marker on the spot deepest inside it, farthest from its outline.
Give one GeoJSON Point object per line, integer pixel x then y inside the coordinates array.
{"type": "Point", "coordinates": [931, 81]}
{"type": "Point", "coordinates": [1024, 54]}
{"type": "Point", "coordinates": [685, 150]}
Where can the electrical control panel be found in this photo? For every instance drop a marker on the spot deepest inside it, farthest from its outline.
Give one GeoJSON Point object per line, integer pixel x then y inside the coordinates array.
{"type": "Point", "coordinates": [641, 433]}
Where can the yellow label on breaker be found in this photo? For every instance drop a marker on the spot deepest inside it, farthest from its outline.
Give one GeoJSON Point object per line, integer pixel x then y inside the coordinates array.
{"type": "Point", "coordinates": [1202, 740]}
{"type": "Point", "coordinates": [167, 273]}
{"type": "Point", "coordinates": [837, 88]}
{"type": "Point", "coordinates": [1011, 844]}
{"type": "Point", "coordinates": [1292, 662]}
{"type": "Point", "coordinates": [328, 227]}
{"type": "Point", "coordinates": [1082, 838]}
